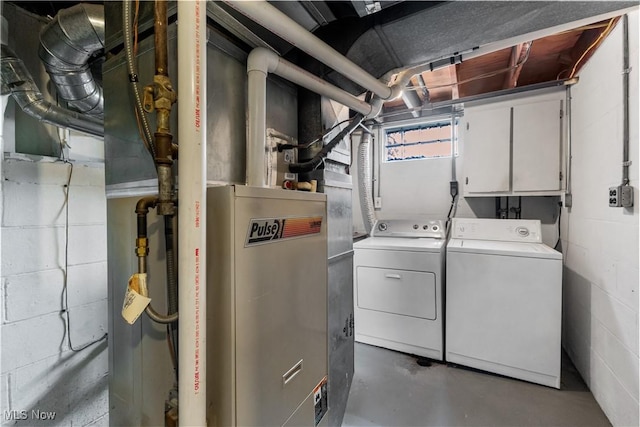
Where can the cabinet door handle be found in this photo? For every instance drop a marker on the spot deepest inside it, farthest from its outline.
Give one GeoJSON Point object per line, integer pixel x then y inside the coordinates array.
{"type": "Point", "coordinates": [392, 276]}
{"type": "Point", "coordinates": [466, 180]}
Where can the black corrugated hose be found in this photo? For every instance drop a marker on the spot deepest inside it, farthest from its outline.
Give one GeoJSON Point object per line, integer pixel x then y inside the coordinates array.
{"type": "Point", "coordinates": [316, 161]}
{"type": "Point", "coordinates": [172, 287]}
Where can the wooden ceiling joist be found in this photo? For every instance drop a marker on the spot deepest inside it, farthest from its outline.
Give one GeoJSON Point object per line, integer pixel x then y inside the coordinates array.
{"type": "Point", "coordinates": [516, 64]}
{"type": "Point", "coordinates": [542, 60]}
{"type": "Point", "coordinates": [453, 73]}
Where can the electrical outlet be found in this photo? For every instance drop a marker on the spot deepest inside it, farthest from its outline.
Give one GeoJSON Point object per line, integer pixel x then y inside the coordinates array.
{"type": "Point", "coordinates": [377, 202]}
{"type": "Point", "coordinates": [615, 199]}
{"type": "Point", "coordinates": [626, 196]}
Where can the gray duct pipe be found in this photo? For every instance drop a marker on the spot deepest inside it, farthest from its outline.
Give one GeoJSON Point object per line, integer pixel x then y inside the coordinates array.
{"type": "Point", "coordinates": [17, 81]}
{"type": "Point", "coordinates": [66, 45]}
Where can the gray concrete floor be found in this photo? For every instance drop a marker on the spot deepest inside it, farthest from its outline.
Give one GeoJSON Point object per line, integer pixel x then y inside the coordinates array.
{"type": "Point", "coordinates": [391, 389]}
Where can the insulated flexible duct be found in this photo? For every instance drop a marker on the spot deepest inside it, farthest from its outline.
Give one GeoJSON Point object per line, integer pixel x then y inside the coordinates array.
{"type": "Point", "coordinates": [364, 181]}
{"type": "Point", "coordinates": [66, 45]}
{"type": "Point", "coordinates": [17, 81]}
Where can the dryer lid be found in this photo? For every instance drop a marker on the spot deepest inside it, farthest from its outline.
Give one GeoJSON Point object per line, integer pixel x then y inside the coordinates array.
{"type": "Point", "coordinates": [518, 249]}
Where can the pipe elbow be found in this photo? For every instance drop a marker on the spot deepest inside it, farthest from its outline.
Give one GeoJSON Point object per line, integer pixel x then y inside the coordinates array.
{"type": "Point", "coordinates": [72, 37]}
{"type": "Point", "coordinates": [67, 44]}
{"type": "Point", "coordinates": [33, 103]}
{"type": "Point", "coordinates": [376, 108]}
{"type": "Point", "coordinates": [396, 90]}
{"type": "Point", "coordinates": [263, 60]}
{"type": "Point", "coordinates": [146, 203]}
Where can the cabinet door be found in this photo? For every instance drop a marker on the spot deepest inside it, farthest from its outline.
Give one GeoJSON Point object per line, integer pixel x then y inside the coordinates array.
{"type": "Point", "coordinates": [536, 146]}
{"type": "Point", "coordinates": [487, 149]}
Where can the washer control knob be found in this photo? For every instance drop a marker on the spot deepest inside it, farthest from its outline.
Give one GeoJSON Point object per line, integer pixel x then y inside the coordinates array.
{"type": "Point", "coordinates": [435, 228]}
{"type": "Point", "coordinates": [382, 226]}
{"type": "Point", "coordinates": [522, 231]}
{"type": "Point", "coordinates": [425, 227]}
{"type": "Point", "coordinates": [415, 226]}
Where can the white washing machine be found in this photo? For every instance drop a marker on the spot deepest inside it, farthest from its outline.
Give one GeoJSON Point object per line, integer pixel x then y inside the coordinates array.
{"type": "Point", "coordinates": [398, 284]}
{"type": "Point", "coordinates": [504, 299]}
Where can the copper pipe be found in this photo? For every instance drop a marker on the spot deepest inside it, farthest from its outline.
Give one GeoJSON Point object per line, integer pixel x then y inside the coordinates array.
{"type": "Point", "coordinates": [159, 97]}
{"type": "Point", "coordinates": [160, 37]}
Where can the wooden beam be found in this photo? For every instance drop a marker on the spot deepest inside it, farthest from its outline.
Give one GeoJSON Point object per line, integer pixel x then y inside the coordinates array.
{"type": "Point", "coordinates": [516, 64]}
{"type": "Point", "coordinates": [425, 91]}
{"type": "Point", "coordinates": [453, 76]}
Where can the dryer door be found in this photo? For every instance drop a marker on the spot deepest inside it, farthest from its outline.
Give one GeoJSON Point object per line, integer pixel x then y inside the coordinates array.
{"type": "Point", "coordinates": [403, 292]}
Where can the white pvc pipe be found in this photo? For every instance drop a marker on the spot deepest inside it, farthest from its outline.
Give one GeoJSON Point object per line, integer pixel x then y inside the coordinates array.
{"type": "Point", "coordinates": [260, 63]}
{"type": "Point", "coordinates": [192, 211]}
{"type": "Point", "coordinates": [4, 39]}
{"type": "Point", "coordinates": [266, 61]}
{"type": "Point", "coordinates": [280, 24]}
{"type": "Point", "coordinates": [307, 80]}
{"type": "Point", "coordinates": [257, 127]}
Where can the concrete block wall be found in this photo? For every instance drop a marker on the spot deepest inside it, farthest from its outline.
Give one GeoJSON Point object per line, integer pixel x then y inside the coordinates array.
{"type": "Point", "coordinates": [39, 370]}
{"type": "Point", "coordinates": [600, 243]}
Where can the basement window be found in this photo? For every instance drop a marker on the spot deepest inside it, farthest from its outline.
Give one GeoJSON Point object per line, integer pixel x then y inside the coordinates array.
{"type": "Point", "coordinates": [430, 140]}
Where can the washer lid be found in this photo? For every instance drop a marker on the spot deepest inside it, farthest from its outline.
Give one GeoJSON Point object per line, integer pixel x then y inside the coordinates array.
{"type": "Point", "coordinates": [519, 249]}
{"type": "Point", "coordinates": [401, 244]}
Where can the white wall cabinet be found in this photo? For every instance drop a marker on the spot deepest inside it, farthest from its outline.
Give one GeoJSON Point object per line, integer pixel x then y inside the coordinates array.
{"type": "Point", "coordinates": [514, 147]}
{"type": "Point", "coordinates": [487, 142]}
{"type": "Point", "coordinates": [537, 146]}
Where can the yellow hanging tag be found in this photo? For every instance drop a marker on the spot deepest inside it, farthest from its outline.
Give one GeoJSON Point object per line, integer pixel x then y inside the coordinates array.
{"type": "Point", "coordinates": [134, 302]}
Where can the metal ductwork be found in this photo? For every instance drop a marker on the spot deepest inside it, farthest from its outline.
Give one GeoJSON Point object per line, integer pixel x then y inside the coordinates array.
{"type": "Point", "coordinates": [17, 81]}
{"type": "Point", "coordinates": [66, 45]}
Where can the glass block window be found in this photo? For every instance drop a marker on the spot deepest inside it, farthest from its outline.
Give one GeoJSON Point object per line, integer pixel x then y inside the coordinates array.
{"type": "Point", "coordinates": [424, 141]}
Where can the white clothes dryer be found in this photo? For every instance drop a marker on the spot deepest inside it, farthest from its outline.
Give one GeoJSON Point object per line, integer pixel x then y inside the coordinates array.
{"type": "Point", "coordinates": [504, 299]}
{"type": "Point", "coordinates": [398, 287]}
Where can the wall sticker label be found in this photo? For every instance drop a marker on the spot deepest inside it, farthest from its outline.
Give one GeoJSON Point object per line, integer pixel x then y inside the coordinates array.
{"type": "Point", "coordinates": [269, 230]}
{"type": "Point", "coordinates": [320, 401]}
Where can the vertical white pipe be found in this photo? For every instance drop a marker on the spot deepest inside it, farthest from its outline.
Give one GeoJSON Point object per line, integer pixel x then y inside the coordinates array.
{"type": "Point", "coordinates": [4, 39]}
{"type": "Point", "coordinates": [260, 63]}
{"type": "Point", "coordinates": [257, 123]}
{"type": "Point", "coordinates": [192, 211]}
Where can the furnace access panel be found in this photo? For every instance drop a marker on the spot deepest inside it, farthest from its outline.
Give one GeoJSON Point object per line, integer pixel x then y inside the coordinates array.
{"type": "Point", "coordinates": [267, 305]}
